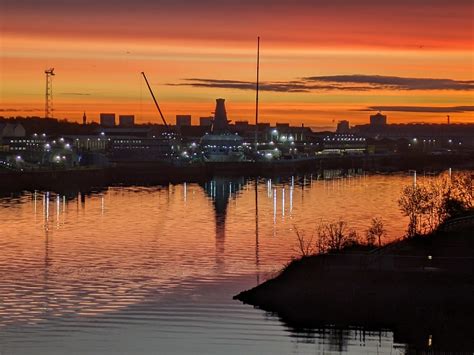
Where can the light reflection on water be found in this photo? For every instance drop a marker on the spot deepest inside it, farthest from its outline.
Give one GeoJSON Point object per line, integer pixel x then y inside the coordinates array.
{"type": "Point", "coordinates": [154, 269]}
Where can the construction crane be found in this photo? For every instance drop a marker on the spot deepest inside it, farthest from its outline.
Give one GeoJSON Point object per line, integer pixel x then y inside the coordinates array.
{"type": "Point", "coordinates": [156, 102]}
{"type": "Point", "coordinates": [48, 108]}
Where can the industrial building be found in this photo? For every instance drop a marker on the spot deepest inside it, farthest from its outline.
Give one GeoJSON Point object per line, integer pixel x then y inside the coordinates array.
{"type": "Point", "coordinates": [343, 127]}
{"type": "Point", "coordinates": [206, 121]}
{"type": "Point", "coordinates": [126, 120]}
{"type": "Point", "coordinates": [107, 119]}
{"type": "Point", "coordinates": [183, 120]}
{"type": "Point", "coordinates": [378, 120]}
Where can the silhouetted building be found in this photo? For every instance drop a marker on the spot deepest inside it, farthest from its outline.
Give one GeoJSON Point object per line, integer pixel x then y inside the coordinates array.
{"type": "Point", "coordinates": [242, 124]}
{"type": "Point", "coordinates": [343, 127]}
{"type": "Point", "coordinates": [107, 119]}
{"type": "Point", "coordinates": [12, 130]}
{"type": "Point", "coordinates": [84, 118]}
{"type": "Point", "coordinates": [126, 120]}
{"type": "Point", "coordinates": [344, 144]}
{"type": "Point", "coordinates": [378, 120]}
{"type": "Point", "coordinates": [205, 121]}
{"type": "Point", "coordinates": [220, 124]}
{"type": "Point", "coordinates": [183, 120]}
{"type": "Point", "coordinates": [422, 135]}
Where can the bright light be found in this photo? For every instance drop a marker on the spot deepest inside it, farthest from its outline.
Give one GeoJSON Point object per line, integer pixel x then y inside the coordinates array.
{"type": "Point", "coordinates": [68, 146]}
{"type": "Point", "coordinates": [102, 133]}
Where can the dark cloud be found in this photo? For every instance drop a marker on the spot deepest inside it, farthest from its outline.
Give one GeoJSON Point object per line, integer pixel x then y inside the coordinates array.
{"type": "Point", "coordinates": [395, 82]}
{"type": "Point", "coordinates": [336, 83]}
{"type": "Point", "coordinates": [246, 85]}
{"type": "Point", "coordinates": [435, 109]}
{"type": "Point", "coordinates": [20, 109]}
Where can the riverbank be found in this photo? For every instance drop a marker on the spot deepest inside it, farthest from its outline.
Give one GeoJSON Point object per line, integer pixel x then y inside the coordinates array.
{"type": "Point", "coordinates": [155, 173]}
{"type": "Point", "coordinates": [420, 288]}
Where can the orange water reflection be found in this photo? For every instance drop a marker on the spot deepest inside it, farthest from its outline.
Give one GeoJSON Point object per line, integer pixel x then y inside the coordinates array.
{"type": "Point", "coordinates": [85, 255]}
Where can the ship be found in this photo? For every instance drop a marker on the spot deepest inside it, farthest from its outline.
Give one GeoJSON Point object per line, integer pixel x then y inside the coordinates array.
{"type": "Point", "coordinates": [221, 145]}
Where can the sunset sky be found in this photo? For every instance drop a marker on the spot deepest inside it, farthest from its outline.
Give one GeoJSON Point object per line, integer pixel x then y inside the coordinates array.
{"type": "Point", "coordinates": [321, 61]}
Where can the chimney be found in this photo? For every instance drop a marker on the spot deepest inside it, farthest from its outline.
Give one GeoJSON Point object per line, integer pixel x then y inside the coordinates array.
{"type": "Point", "coordinates": [221, 125]}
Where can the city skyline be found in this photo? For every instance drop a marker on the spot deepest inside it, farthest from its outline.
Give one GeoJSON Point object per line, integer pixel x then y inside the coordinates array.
{"type": "Point", "coordinates": [320, 63]}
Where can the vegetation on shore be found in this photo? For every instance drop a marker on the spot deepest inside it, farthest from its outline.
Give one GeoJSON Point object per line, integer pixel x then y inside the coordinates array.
{"type": "Point", "coordinates": [428, 204]}
{"type": "Point", "coordinates": [434, 201]}
{"type": "Point", "coordinates": [420, 286]}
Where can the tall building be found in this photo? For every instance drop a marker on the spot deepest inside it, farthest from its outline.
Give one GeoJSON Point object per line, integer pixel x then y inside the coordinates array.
{"type": "Point", "coordinates": [107, 119]}
{"type": "Point", "coordinates": [343, 127]}
{"type": "Point", "coordinates": [378, 120]}
{"type": "Point", "coordinates": [127, 120]}
{"type": "Point", "coordinates": [183, 120]}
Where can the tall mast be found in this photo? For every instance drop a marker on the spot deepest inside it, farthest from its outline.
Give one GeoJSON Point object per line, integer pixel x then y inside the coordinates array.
{"type": "Point", "coordinates": [256, 95]}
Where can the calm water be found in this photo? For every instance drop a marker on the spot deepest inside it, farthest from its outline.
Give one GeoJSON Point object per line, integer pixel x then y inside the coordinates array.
{"type": "Point", "coordinates": [147, 270]}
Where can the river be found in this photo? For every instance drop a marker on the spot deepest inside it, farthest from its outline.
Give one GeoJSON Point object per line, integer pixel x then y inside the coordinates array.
{"type": "Point", "coordinates": [151, 270]}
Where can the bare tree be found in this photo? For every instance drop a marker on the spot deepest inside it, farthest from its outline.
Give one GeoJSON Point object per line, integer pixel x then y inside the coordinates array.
{"type": "Point", "coordinates": [336, 235]}
{"type": "Point", "coordinates": [331, 236]}
{"type": "Point", "coordinates": [432, 202]}
{"type": "Point", "coordinates": [414, 203]}
{"type": "Point", "coordinates": [375, 231]}
{"type": "Point", "coordinates": [305, 246]}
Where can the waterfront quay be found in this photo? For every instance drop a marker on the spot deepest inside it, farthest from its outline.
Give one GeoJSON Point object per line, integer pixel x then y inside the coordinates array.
{"type": "Point", "coordinates": [43, 153]}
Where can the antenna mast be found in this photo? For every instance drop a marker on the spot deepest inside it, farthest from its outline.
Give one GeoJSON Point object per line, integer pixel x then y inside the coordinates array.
{"type": "Point", "coordinates": [256, 95]}
{"type": "Point", "coordinates": [156, 102]}
{"type": "Point", "coordinates": [48, 108]}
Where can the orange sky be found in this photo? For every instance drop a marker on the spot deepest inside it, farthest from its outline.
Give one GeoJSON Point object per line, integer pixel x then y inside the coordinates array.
{"type": "Point", "coordinates": [99, 49]}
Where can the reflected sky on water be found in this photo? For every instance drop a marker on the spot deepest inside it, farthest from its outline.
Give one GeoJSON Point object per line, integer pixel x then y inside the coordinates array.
{"type": "Point", "coordinates": [153, 269]}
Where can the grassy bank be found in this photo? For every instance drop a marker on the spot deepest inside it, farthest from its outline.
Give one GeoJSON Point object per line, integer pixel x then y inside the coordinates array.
{"type": "Point", "coordinates": [421, 288]}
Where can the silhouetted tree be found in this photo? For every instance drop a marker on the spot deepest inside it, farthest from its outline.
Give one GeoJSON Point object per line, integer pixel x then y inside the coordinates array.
{"type": "Point", "coordinates": [462, 191]}
{"type": "Point", "coordinates": [331, 236]}
{"type": "Point", "coordinates": [430, 203]}
{"type": "Point", "coordinates": [414, 203]}
{"type": "Point", "coordinates": [375, 231]}
{"type": "Point", "coordinates": [334, 236]}
{"type": "Point", "coordinates": [305, 245]}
